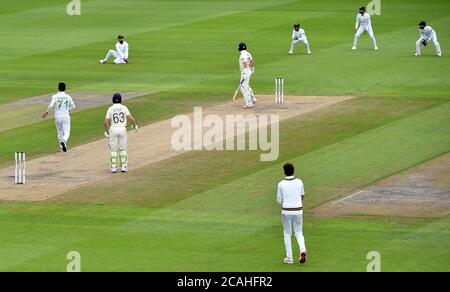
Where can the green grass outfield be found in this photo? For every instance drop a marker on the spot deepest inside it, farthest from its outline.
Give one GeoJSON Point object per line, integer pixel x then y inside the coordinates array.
{"type": "Point", "coordinates": [208, 211]}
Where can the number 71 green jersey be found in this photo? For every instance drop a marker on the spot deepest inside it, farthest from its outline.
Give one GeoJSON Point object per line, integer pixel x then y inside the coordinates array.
{"type": "Point", "coordinates": [62, 104]}
{"type": "Point", "coordinates": [118, 114]}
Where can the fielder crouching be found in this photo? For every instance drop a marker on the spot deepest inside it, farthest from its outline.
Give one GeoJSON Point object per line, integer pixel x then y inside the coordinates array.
{"type": "Point", "coordinates": [427, 34]}
{"type": "Point", "coordinates": [290, 194]}
{"type": "Point", "coordinates": [115, 124]}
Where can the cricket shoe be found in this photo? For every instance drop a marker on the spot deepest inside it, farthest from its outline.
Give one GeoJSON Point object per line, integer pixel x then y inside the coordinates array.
{"type": "Point", "coordinates": [376, 48]}
{"type": "Point", "coordinates": [354, 48]}
{"type": "Point", "coordinates": [309, 52]}
{"type": "Point", "coordinates": [124, 169]}
{"type": "Point", "coordinates": [439, 55]}
{"type": "Point", "coordinates": [113, 169]}
{"type": "Point", "coordinates": [288, 261]}
{"type": "Point", "coordinates": [303, 257]}
{"type": "Point", "coordinates": [254, 100]}
{"type": "Point", "coordinates": [417, 54]}
{"type": "Point", "coordinates": [63, 146]}
{"type": "Point", "coordinates": [102, 61]}
{"type": "Point", "coordinates": [247, 106]}
{"type": "Point", "coordinates": [290, 52]}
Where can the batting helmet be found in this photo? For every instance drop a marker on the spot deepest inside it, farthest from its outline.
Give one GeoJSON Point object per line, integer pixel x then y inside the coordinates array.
{"type": "Point", "coordinates": [117, 98]}
{"type": "Point", "coordinates": [242, 46]}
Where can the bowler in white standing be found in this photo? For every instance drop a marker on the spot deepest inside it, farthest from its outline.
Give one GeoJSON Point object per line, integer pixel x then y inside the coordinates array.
{"type": "Point", "coordinates": [363, 23]}
{"type": "Point", "coordinates": [247, 67]}
{"type": "Point", "coordinates": [120, 55]}
{"type": "Point", "coordinates": [299, 36]}
{"type": "Point", "coordinates": [290, 195]}
{"type": "Point", "coordinates": [427, 34]}
{"type": "Point", "coordinates": [115, 124]}
{"type": "Point", "coordinates": [62, 103]}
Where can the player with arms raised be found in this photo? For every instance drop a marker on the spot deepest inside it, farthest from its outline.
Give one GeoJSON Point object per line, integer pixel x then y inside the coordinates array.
{"type": "Point", "coordinates": [115, 124]}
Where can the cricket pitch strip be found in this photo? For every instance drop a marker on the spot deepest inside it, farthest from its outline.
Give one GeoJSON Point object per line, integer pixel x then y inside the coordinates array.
{"type": "Point", "coordinates": [55, 174]}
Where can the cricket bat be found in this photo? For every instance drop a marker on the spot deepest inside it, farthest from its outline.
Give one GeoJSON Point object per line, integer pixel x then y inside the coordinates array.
{"type": "Point", "coordinates": [236, 92]}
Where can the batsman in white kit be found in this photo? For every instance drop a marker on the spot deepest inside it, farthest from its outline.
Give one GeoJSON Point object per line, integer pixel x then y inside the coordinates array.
{"type": "Point", "coordinates": [299, 36]}
{"type": "Point", "coordinates": [120, 55]}
{"type": "Point", "coordinates": [363, 23]}
{"type": "Point", "coordinates": [62, 104]}
{"type": "Point", "coordinates": [427, 34]}
{"type": "Point", "coordinates": [115, 124]}
{"type": "Point", "coordinates": [247, 67]}
{"type": "Point", "coordinates": [290, 195]}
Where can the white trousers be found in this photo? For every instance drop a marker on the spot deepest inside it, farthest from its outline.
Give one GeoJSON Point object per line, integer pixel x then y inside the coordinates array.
{"type": "Point", "coordinates": [118, 146]}
{"type": "Point", "coordinates": [360, 31]}
{"type": "Point", "coordinates": [117, 58]}
{"type": "Point", "coordinates": [303, 41]}
{"type": "Point", "coordinates": [63, 128]}
{"type": "Point", "coordinates": [293, 222]}
{"type": "Point", "coordinates": [433, 39]}
{"type": "Point", "coordinates": [246, 90]}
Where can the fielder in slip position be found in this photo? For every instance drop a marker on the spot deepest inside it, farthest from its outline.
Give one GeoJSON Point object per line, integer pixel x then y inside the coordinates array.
{"type": "Point", "coordinates": [115, 124]}
{"type": "Point", "coordinates": [62, 104]}
{"type": "Point", "coordinates": [120, 55]}
{"type": "Point", "coordinates": [290, 195]}
{"type": "Point", "coordinates": [247, 67]}
{"type": "Point", "coordinates": [299, 36]}
{"type": "Point", "coordinates": [363, 23]}
{"type": "Point", "coordinates": [427, 34]}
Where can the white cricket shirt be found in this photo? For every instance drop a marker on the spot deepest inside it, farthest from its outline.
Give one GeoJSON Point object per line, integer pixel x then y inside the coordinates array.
{"type": "Point", "coordinates": [289, 195]}
{"type": "Point", "coordinates": [118, 114]}
{"type": "Point", "coordinates": [426, 33]}
{"type": "Point", "coordinates": [244, 57]}
{"type": "Point", "coordinates": [62, 104]}
{"type": "Point", "coordinates": [122, 49]}
{"type": "Point", "coordinates": [300, 34]}
{"type": "Point", "coordinates": [364, 20]}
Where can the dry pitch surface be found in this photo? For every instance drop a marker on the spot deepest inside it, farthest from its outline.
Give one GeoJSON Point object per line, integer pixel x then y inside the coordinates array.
{"type": "Point", "coordinates": [56, 174]}
{"type": "Point", "coordinates": [423, 191]}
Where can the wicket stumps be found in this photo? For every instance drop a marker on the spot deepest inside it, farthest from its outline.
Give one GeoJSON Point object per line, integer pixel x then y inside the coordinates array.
{"type": "Point", "coordinates": [279, 90]}
{"type": "Point", "coordinates": [19, 173]}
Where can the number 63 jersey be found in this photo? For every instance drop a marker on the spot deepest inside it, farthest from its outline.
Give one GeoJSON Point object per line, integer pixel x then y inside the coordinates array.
{"type": "Point", "coordinates": [118, 114]}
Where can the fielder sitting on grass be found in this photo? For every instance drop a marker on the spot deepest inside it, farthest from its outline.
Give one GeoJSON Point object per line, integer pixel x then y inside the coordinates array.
{"type": "Point", "coordinates": [62, 104]}
{"type": "Point", "coordinates": [290, 195]}
{"type": "Point", "coordinates": [427, 34]}
{"type": "Point", "coordinates": [120, 54]}
{"type": "Point", "coordinates": [363, 23]}
{"type": "Point", "coordinates": [115, 129]}
{"type": "Point", "coordinates": [247, 67]}
{"type": "Point", "coordinates": [299, 36]}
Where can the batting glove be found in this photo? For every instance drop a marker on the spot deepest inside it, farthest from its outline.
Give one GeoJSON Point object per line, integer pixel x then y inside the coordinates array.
{"type": "Point", "coordinates": [106, 134]}
{"type": "Point", "coordinates": [135, 127]}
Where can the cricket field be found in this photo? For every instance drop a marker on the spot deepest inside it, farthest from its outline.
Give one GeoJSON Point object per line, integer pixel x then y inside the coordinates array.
{"type": "Point", "coordinates": [373, 152]}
